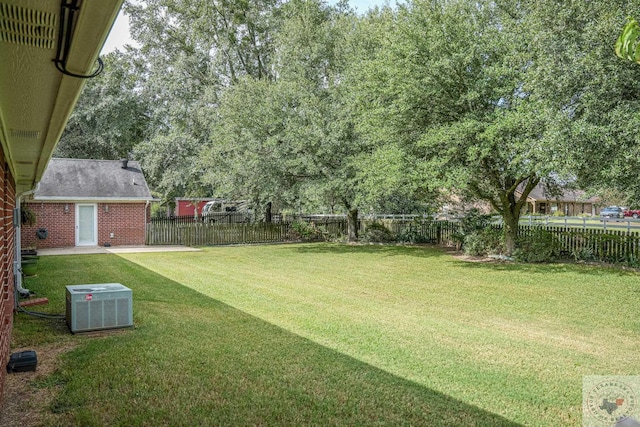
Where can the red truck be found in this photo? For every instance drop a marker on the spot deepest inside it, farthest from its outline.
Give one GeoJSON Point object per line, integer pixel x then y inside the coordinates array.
{"type": "Point", "coordinates": [634, 213]}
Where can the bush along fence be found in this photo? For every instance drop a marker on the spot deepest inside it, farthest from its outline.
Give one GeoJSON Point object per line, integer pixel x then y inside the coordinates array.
{"type": "Point", "coordinates": [538, 243]}
{"type": "Point", "coordinates": [612, 246]}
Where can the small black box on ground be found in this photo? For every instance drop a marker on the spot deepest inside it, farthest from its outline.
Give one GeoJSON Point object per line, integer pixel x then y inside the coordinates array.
{"type": "Point", "coordinates": [22, 361]}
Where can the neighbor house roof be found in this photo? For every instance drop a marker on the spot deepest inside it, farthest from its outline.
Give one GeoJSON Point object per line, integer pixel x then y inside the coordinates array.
{"type": "Point", "coordinates": [540, 193]}
{"type": "Point", "coordinates": [92, 180]}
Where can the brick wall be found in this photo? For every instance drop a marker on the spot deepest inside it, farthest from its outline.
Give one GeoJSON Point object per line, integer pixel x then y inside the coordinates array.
{"type": "Point", "coordinates": [59, 222]}
{"type": "Point", "coordinates": [124, 221]}
{"type": "Point", "coordinates": [7, 204]}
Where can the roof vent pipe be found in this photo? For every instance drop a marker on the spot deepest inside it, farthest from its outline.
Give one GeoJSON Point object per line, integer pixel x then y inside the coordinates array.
{"type": "Point", "coordinates": [124, 163]}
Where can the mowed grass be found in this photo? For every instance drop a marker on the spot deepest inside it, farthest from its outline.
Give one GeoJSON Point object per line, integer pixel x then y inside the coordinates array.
{"type": "Point", "coordinates": [324, 334]}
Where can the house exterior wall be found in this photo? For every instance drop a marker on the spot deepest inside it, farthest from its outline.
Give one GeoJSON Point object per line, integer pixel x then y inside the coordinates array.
{"type": "Point", "coordinates": [7, 204]}
{"type": "Point", "coordinates": [549, 207]}
{"type": "Point", "coordinates": [125, 221]}
{"type": "Point", "coordinates": [59, 222]}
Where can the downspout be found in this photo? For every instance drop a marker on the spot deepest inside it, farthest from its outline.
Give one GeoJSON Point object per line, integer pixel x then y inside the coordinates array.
{"type": "Point", "coordinates": [146, 207]}
{"type": "Point", "coordinates": [17, 257]}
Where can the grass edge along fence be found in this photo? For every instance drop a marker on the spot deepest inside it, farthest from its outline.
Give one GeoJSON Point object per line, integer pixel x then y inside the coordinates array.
{"type": "Point", "coordinates": [211, 234]}
{"type": "Point", "coordinates": [610, 246]}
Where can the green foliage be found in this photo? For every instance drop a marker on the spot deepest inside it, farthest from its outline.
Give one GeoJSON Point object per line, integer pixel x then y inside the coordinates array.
{"type": "Point", "coordinates": [475, 234]}
{"type": "Point", "coordinates": [304, 231]}
{"type": "Point", "coordinates": [412, 232]}
{"type": "Point", "coordinates": [474, 220]}
{"type": "Point", "coordinates": [377, 232]}
{"type": "Point", "coordinates": [158, 211]}
{"type": "Point", "coordinates": [486, 241]}
{"type": "Point", "coordinates": [306, 104]}
{"type": "Point", "coordinates": [584, 254]}
{"type": "Point", "coordinates": [27, 216]}
{"type": "Point", "coordinates": [627, 45]}
{"type": "Point", "coordinates": [538, 245]}
{"type": "Point", "coordinates": [111, 117]}
{"type": "Point", "coordinates": [599, 94]}
{"type": "Point", "coordinates": [293, 144]}
{"type": "Point", "coordinates": [446, 89]}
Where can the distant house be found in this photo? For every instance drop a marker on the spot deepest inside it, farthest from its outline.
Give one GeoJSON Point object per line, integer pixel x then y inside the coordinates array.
{"type": "Point", "coordinates": [88, 203]}
{"type": "Point", "coordinates": [568, 202]}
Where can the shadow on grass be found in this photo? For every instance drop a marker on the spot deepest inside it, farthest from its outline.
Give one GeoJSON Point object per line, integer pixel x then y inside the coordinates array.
{"type": "Point", "coordinates": [193, 360]}
{"type": "Point", "coordinates": [599, 270]}
{"type": "Point", "coordinates": [422, 251]}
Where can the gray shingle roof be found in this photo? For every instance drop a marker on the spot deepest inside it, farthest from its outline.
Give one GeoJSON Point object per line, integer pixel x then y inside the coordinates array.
{"type": "Point", "coordinates": [539, 193]}
{"type": "Point", "coordinates": [79, 179]}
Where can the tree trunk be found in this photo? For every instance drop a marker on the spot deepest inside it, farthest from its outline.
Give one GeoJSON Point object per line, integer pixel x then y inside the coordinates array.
{"type": "Point", "coordinates": [267, 213]}
{"type": "Point", "coordinates": [352, 225]}
{"type": "Point", "coordinates": [511, 226]}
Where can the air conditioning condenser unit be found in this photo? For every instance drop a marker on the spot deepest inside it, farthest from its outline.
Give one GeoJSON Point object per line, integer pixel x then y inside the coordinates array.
{"type": "Point", "coordinates": [99, 306]}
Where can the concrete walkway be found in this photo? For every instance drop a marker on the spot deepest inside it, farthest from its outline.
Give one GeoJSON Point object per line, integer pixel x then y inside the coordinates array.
{"type": "Point", "coordinates": [80, 250]}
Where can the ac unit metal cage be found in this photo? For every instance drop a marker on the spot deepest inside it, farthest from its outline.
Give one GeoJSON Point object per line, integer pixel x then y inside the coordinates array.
{"type": "Point", "coordinates": [99, 306]}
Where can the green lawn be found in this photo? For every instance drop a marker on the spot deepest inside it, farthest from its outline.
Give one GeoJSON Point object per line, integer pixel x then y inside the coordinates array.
{"type": "Point", "coordinates": [323, 334]}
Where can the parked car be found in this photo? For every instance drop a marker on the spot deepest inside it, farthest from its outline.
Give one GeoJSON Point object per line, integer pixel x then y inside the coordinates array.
{"type": "Point", "coordinates": [612, 212]}
{"type": "Point", "coordinates": [633, 213]}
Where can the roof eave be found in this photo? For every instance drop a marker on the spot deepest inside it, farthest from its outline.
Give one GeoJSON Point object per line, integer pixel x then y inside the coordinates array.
{"type": "Point", "coordinates": [91, 199]}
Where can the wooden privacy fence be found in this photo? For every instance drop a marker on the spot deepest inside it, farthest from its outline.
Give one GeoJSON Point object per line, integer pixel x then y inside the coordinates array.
{"type": "Point", "coordinates": [437, 232]}
{"type": "Point", "coordinates": [588, 244]}
{"type": "Point", "coordinates": [614, 246]}
{"type": "Point", "coordinates": [206, 233]}
{"type": "Point", "coordinates": [203, 234]}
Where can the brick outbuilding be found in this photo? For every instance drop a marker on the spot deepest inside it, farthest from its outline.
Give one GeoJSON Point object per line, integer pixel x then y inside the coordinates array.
{"type": "Point", "coordinates": [88, 203]}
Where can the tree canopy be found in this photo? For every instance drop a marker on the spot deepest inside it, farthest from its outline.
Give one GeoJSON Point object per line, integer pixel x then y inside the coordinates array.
{"type": "Point", "coordinates": [111, 118]}
{"type": "Point", "coordinates": [313, 107]}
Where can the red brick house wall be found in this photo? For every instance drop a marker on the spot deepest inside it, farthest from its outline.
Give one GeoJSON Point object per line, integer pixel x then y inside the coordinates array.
{"type": "Point", "coordinates": [7, 204]}
{"type": "Point", "coordinates": [125, 221]}
{"type": "Point", "coordinates": [60, 225]}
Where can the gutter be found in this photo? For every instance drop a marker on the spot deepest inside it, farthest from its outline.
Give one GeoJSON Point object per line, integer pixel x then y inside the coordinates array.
{"type": "Point", "coordinates": [17, 256]}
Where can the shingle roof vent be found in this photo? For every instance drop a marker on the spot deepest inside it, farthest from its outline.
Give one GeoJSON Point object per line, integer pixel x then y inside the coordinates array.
{"type": "Point", "coordinates": [124, 163]}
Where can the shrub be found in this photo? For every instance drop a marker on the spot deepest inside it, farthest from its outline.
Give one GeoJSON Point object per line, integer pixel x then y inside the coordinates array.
{"type": "Point", "coordinates": [27, 216]}
{"type": "Point", "coordinates": [377, 233]}
{"type": "Point", "coordinates": [412, 233]}
{"type": "Point", "coordinates": [484, 242]}
{"type": "Point", "coordinates": [474, 221]}
{"type": "Point", "coordinates": [584, 254]}
{"type": "Point", "coordinates": [539, 246]}
{"type": "Point", "coordinates": [476, 233]}
{"type": "Point", "coordinates": [303, 230]}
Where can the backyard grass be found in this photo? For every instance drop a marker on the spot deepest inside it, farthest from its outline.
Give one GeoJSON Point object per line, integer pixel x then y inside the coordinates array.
{"type": "Point", "coordinates": [324, 334]}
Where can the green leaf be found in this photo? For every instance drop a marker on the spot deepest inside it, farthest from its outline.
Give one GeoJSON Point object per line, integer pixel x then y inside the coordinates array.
{"type": "Point", "coordinates": [627, 46]}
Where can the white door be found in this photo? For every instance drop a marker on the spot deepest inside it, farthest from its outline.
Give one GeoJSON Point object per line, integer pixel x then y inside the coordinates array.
{"type": "Point", "coordinates": [86, 225]}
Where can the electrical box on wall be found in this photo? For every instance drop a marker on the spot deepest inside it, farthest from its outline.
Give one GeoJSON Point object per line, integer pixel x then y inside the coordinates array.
{"type": "Point", "coordinates": [99, 306]}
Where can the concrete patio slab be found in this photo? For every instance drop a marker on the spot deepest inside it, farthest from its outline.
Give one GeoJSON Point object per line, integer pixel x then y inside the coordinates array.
{"type": "Point", "coordinates": [81, 250]}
